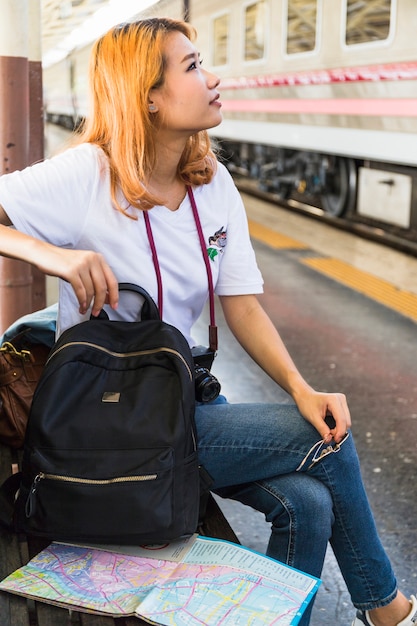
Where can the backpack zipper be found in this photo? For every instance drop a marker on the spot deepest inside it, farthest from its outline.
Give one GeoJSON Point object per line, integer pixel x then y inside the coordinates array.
{"type": "Point", "coordinates": [93, 481]}
{"type": "Point", "coordinates": [124, 354]}
{"type": "Point", "coordinates": [30, 502]}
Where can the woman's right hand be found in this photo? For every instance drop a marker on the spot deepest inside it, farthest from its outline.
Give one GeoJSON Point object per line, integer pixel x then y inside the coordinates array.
{"type": "Point", "coordinates": [90, 276]}
{"type": "Point", "coordinates": [88, 273]}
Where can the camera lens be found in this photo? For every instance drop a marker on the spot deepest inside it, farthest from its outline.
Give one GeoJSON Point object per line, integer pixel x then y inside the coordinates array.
{"type": "Point", "coordinates": [207, 387]}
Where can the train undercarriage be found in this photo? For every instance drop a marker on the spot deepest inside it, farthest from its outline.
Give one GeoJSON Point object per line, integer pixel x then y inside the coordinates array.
{"type": "Point", "coordinates": [339, 189]}
{"type": "Point", "coordinates": [329, 181]}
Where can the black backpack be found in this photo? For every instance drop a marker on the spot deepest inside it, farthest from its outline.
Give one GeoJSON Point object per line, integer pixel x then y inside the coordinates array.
{"type": "Point", "coordinates": [110, 452]}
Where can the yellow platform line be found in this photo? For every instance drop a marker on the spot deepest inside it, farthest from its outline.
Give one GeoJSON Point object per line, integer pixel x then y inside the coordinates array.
{"type": "Point", "coordinates": [376, 288]}
{"type": "Point", "coordinates": [273, 238]}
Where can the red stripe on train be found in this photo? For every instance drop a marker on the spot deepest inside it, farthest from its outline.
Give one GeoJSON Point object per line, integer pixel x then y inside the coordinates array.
{"type": "Point", "coordinates": [391, 71]}
{"type": "Point", "coordinates": [338, 106]}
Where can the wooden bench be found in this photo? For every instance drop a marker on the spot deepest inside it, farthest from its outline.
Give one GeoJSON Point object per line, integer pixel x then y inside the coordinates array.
{"type": "Point", "coordinates": [16, 551]}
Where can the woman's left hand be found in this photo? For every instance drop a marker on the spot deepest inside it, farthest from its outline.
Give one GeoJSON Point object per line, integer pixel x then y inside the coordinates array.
{"type": "Point", "coordinates": [316, 406]}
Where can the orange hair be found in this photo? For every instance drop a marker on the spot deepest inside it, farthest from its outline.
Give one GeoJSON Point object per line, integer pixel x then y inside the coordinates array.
{"type": "Point", "coordinates": [125, 64]}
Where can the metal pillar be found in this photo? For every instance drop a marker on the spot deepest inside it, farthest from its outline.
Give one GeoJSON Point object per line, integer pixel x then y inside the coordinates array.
{"type": "Point", "coordinates": [15, 276]}
{"type": "Point", "coordinates": [36, 126]}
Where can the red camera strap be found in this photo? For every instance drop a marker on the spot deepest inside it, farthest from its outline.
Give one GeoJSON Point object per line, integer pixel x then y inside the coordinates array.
{"type": "Point", "coordinates": [213, 340]}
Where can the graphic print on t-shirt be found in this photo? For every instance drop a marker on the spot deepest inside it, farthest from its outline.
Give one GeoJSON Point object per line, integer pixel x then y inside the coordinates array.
{"type": "Point", "coordinates": [216, 243]}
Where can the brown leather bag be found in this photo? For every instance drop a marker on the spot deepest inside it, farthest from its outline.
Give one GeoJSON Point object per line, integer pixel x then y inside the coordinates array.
{"type": "Point", "coordinates": [21, 364]}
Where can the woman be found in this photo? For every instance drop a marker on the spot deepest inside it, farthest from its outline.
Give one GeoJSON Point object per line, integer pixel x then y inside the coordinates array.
{"type": "Point", "coordinates": [80, 216]}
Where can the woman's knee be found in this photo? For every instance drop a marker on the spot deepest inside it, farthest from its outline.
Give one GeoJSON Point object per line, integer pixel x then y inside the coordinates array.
{"type": "Point", "coordinates": [304, 500]}
{"type": "Point", "coordinates": [296, 502]}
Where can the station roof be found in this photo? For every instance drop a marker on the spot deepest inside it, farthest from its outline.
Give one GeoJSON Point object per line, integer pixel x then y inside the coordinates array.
{"type": "Point", "coordinates": [65, 24]}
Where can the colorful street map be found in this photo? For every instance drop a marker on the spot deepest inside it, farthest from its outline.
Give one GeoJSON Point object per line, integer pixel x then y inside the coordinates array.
{"type": "Point", "coordinates": [210, 582]}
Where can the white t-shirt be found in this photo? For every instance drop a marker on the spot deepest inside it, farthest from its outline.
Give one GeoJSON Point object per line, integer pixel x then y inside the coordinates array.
{"type": "Point", "coordinates": [66, 201]}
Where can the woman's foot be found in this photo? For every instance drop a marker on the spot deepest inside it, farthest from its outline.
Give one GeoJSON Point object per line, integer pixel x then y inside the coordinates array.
{"type": "Point", "coordinates": [384, 616]}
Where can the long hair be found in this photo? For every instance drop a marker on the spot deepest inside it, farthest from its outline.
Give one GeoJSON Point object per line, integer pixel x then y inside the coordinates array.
{"type": "Point", "coordinates": [125, 64]}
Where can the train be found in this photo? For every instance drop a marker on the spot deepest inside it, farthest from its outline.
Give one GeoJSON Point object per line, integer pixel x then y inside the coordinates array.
{"type": "Point", "coordinates": [319, 101]}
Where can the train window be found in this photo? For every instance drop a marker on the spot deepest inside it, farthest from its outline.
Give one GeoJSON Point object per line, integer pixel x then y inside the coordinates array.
{"type": "Point", "coordinates": [220, 39]}
{"type": "Point", "coordinates": [301, 26]}
{"type": "Point", "coordinates": [367, 22]}
{"type": "Point", "coordinates": [255, 30]}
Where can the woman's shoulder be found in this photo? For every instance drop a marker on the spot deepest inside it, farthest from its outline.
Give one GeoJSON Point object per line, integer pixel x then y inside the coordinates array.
{"type": "Point", "coordinates": [84, 162]}
{"type": "Point", "coordinates": [222, 182]}
{"type": "Point", "coordinates": [81, 151]}
{"type": "Point", "coordinates": [221, 191]}
{"type": "Point", "coordinates": [222, 173]}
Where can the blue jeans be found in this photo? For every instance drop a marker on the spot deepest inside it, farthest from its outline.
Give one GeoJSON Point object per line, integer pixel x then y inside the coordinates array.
{"type": "Point", "coordinates": [253, 452]}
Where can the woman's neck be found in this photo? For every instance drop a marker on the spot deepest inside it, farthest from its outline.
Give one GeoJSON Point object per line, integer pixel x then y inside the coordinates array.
{"type": "Point", "coordinates": [163, 181]}
{"type": "Point", "coordinates": [171, 191]}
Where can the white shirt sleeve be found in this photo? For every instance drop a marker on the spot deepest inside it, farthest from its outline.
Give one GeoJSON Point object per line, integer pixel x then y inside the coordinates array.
{"type": "Point", "coordinates": [50, 200]}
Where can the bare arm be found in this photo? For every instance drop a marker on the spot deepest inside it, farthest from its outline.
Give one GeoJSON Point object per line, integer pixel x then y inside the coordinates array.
{"type": "Point", "coordinates": [254, 330]}
{"type": "Point", "coordinates": [91, 278]}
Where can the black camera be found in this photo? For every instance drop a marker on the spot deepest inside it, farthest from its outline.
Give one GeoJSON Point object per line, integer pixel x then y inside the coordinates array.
{"type": "Point", "coordinates": [207, 387]}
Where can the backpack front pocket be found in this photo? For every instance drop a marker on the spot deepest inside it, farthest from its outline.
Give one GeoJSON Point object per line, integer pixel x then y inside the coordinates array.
{"type": "Point", "coordinates": [95, 503]}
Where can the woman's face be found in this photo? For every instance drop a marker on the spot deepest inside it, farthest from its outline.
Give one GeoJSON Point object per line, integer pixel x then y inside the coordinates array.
{"type": "Point", "coordinates": [188, 100]}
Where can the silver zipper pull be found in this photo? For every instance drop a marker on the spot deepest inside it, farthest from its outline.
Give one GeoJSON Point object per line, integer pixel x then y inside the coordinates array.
{"type": "Point", "coordinates": [31, 499]}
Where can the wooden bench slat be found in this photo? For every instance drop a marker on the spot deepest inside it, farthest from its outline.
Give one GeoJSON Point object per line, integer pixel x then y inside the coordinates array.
{"type": "Point", "coordinates": [87, 619]}
{"type": "Point", "coordinates": [13, 611]}
{"type": "Point", "coordinates": [50, 615]}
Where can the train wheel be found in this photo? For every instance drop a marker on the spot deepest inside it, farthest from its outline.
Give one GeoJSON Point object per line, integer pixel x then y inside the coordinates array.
{"type": "Point", "coordinates": [339, 194]}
